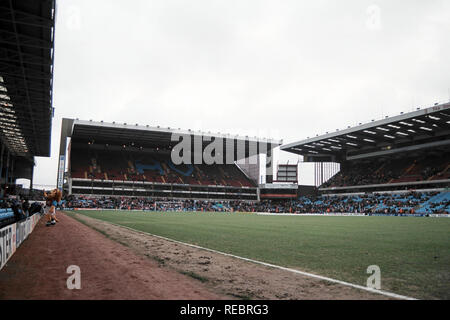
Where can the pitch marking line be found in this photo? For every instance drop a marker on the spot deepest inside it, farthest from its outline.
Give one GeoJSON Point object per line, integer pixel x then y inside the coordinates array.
{"type": "Point", "coordinates": [348, 284]}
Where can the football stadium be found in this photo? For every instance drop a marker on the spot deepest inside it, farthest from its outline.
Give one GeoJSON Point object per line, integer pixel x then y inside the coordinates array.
{"type": "Point", "coordinates": [182, 214]}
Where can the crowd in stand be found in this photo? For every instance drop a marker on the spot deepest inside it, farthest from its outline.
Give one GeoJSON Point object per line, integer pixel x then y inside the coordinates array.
{"type": "Point", "coordinates": [405, 203]}
{"type": "Point", "coordinates": [367, 204]}
{"type": "Point", "coordinates": [21, 208]}
{"type": "Point", "coordinates": [391, 171]}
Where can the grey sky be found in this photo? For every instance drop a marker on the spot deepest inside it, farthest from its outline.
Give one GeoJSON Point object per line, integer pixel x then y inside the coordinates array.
{"type": "Point", "coordinates": [281, 69]}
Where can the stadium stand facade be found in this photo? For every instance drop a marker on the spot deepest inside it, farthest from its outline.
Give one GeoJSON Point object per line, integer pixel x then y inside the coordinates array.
{"type": "Point", "coordinates": [431, 166]}
{"type": "Point", "coordinates": [156, 167]}
{"type": "Point", "coordinates": [125, 160]}
{"type": "Point", "coordinates": [26, 85]}
{"type": "Point", "coordinates": [402, 169]}
{"type": "Point", "coordinates": [406, 153]}
{"type": "Point", "coordinates": [27, 30]}
{"type": "Point", "coordinates": [26, 80]}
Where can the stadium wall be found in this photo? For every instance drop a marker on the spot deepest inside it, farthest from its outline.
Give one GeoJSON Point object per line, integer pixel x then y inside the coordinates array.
{"type": "Point", "coordinates": [12, 236]}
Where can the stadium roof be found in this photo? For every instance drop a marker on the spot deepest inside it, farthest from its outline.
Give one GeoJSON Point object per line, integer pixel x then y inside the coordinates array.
{"type": "Point", "coordinates": [419, 130]}
{"type": "Point", "coordinates": [141, 136]}
{"type": "Point", "coordinates": [26, 75]}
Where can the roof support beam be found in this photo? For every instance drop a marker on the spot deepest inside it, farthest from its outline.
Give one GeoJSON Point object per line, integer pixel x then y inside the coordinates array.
{"type": "Point", "coordinates": [27, 41]}
{"type": "Point", "coordinates": [9, 55]}
{"type": "Point", "coordinates": [26, 18]}
{"type": "Point", "coordinates": [19, 50]}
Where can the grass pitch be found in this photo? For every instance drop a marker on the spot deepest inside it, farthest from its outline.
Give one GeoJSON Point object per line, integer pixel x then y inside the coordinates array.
{"type": "Point", "coordinates": [412, 253]}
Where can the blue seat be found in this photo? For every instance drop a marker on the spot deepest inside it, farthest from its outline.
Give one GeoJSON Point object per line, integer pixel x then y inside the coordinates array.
{"type": "Point", "coordinates": [6, 214]}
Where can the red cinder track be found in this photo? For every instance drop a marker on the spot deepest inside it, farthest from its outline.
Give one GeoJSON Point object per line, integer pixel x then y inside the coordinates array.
{"type": "Point", "coordinates": [109, 270]}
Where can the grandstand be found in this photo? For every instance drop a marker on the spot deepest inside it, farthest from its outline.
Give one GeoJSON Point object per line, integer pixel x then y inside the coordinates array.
{"type": "Point", "coordinates": [27, 30]}
{"type": "Point", "coordinates": [26, 80]}
{"type": "Point", "coordinates": [112, 159]}
{"type": "Point", "coordinates": [396, 165]}
{"type": "Point", "coordinates": [406, 152]}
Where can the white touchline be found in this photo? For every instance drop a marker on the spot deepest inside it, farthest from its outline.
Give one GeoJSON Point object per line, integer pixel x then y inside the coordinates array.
{"type": "Point", "coordinates": [382, 292]}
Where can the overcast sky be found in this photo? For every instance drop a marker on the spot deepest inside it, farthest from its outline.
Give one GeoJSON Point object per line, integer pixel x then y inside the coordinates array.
{"type": "Point", "coordinates": [285, 69]}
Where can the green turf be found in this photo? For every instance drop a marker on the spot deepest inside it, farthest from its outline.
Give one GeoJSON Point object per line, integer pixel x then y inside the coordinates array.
{"type": "Point", "coordinates": [412, 253]}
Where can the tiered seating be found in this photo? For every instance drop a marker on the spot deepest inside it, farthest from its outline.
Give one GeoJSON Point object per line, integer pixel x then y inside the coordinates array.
{"type": "Point", "coordinates": [6, 217]}
{"type": "Point", "coordinates": [411, 174]}
{"type": "Point", "coordinates": [436, 204]}
{"type": "Point", "coordinates": [442, 174]}
{"type": "Point", "coordinates": [424, 203]}
{"type": "Point", "coordinates": [410, 203]}
{"type": "Point", "coordinates": [155, 167]}
{"type": "Point", "coordinates": [426, 168]}
{"type": "Point", "coordinates": [79, 165]}
{"type": "Point", "coordinates": [363, 173]}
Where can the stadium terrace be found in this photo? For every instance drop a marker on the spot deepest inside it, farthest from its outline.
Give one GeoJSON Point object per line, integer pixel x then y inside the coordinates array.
{"type": "Point", "coordinates": [393, 155]}
{"type": "Point", "coordinates": [409, 151]}
{"type": "Point", "coordinates": [26, 88]}
{"type": "Point", "coordinates": [407, 203]}
{"type": "Point", "coordinates": [131, 160]}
